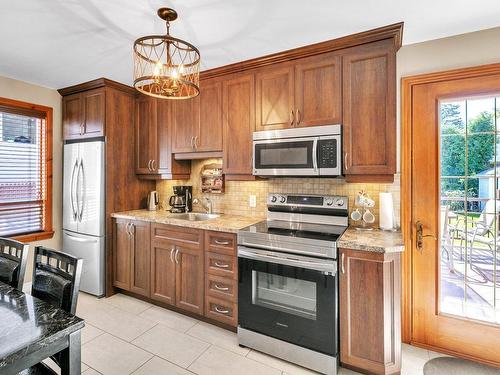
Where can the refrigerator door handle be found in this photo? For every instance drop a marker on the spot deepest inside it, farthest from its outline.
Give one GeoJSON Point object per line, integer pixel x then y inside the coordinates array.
{"type": "Point", "coordinates": [80, 214]}
{"type": "Point", "coordinates": [73, 190]}
{"type": "Point", "coordinates": [79, 239]}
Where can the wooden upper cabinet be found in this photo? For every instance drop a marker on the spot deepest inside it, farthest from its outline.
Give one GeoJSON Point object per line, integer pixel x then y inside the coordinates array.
{"type": "Point", "coordinates": [369, 112]}
{"type": "Point", "coordinates": [186, 118]}
{"type": "Point", "coordinates": [318, 91]}
{"type": "Point", "coordinates": [94, 109]}
{"type": "Point", "coordinates": [145, 134]}
{"type": "Point", "coordinates": [153, 140]}
{"type": "Point", "coordinates": [275, 105]}
{"type": "Point", "coordinates": [370, 311]}
{"type": "Point", "coordinates": [210, 124]}
{"type": "Point", "coordinates": [84, 114]}
{"type": "Point", "coordinates": [72, 116]}
{"type": "Point", "coordinates": [238, 98]}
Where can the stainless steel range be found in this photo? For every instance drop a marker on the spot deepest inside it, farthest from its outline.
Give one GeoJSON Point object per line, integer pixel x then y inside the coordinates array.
{"type": "Point", "coordinates": [288, 287]}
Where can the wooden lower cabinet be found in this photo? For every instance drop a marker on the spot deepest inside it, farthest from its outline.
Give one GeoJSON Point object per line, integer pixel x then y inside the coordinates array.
{"type": "Point", "coordinates": [370, 311]}
{"type": "Point", "coordinates": [131, 256]}
{"type": "Point", "coordinates": [162, 272]}
{"type": "Point", "coordinates": [189, 281]}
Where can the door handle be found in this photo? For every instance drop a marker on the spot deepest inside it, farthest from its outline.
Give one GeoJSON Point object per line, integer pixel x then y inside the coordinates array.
{"type": "Point", "coordinates": [78, 239]}
{"type": "Point", "coordinates": [153, 165]}
{"type": "Point", "coordinates": [420, 236]}
{"type": "Point", "coordinates": [298, 115]}
{"type": "Point", "coordinates": [149, 165]}
{"type": "Point", "coordinates": [221, 288]}
{"type": "Point", "coordinates": [192, 142]}
{"type": "Point", "coordinates": [196, 142]}
{"type": "Point", "coordinates": [172, 254]}
{"type": "Point", "coordinates": [221, 265]}
{"type": "Point", "coordinates": [342, 264]}
{"type": "Point", "coordinates": [293, 118]}
{"type": "Point", "coordinates": [345, 162]}
{"type": "Point", "coordinates": [72, 190]}
{"type": "Point", "coordinates": [220, 311]}
{"type": "Point", "coordinates": [84, 195]}
{"type": "Point", "coordinates": [176, 254]}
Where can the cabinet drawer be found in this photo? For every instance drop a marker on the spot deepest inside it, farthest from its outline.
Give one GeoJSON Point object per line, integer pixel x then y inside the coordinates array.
{"type": "Point", "coordinates": [189, 236]}
{"type": "Point", "coordinates": [221, 287]}
{"type": "Point", "coordinates": [221, 265]}
{"type": "Point", "coordinates": [221, 242]}
{"type": "Point", "coordinates": [222, 311]}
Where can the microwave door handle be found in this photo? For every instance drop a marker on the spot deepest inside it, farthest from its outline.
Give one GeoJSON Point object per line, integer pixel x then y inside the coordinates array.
{"type": "Point", "coordinates": [315, 156]}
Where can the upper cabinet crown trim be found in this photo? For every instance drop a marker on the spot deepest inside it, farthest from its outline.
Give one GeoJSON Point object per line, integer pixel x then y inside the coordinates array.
{"type": "Point", "coordinates": [96, 83]}
{"type": "Point", "coordinates": [394, 31]}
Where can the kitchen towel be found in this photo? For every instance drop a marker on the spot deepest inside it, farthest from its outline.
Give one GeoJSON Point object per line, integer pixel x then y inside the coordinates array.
{"type": "Point", "coordinates": [386, 211]}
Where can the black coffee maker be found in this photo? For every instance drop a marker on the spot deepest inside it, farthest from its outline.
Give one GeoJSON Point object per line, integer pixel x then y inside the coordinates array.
{"type": "Point", "coordinates": [182, 200]}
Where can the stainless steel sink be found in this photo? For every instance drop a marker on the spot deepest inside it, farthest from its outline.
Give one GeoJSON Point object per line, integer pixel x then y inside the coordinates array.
{"type": "Point", "coordinates": [194, 216]}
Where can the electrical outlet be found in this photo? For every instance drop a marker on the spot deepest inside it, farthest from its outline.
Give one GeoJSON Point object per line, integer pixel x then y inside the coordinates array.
{"type": "Point", "coordinates": [252, 200]}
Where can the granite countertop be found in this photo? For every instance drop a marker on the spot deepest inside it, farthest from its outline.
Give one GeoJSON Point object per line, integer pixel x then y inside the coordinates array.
{"type": "Point", "coordinates": [375, 240]}
{"type": "Point", "coordinates": [224, 223]}
{"type": "Point", "coordinates": [28, 324]}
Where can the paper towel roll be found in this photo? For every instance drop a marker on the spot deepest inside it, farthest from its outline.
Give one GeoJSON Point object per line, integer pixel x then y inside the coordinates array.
{"type": "Point", "coordinates": [386, 211]}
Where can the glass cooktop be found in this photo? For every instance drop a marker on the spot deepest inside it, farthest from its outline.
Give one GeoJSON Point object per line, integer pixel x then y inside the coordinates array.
{"type": "Point", "coordinates": [301, 230]}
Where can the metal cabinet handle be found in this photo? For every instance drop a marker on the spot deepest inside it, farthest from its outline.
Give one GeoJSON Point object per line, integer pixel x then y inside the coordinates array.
{"type": "Point", "coordinates": [220, 311]}
{"type": "Point", "coordinates": [293, 118]}
{"type": "Point", "coordinates": [127, 230]}
{"type": "Point", "coordinates": [172, 254]}
{"type": "Point", "coordinates": [222, 288]}
{"type": "Point", "coordinates": [149, 165]}
{"type": "Point", "coordinates": [196, 142]}
{"type": "Point", "coordinates": [342, 264]}
{"type": "Point", "coordinates": [218, 242]}
{"type": "Point", "coordinates": [345, 162]}
{"type": "Point", "coordinates": [176, 254]}
{"type": "Point", "coordinates": [192, 142]}
{"type": "Point", "coordinates": [132, 229]}
{"type": "Point", "coordinates": [221, 265]}
{"type": "Point", "coordinates": [153, 165]}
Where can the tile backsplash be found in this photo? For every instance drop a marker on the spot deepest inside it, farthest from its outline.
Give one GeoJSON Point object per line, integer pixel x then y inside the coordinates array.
{"type": "Point", "coordinates": [235, 199]}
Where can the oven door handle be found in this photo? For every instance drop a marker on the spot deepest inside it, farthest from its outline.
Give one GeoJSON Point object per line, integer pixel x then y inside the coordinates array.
{"type": "Point", "coordinates": [328, 267]}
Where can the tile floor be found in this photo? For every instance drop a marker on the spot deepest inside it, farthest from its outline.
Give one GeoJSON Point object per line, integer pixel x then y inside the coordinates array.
{"type": "Point", "coordinates": [124, 335]}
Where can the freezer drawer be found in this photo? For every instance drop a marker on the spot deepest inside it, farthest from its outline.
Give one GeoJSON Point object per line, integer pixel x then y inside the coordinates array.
{"type": "Point", "coordinates": [91, 250]}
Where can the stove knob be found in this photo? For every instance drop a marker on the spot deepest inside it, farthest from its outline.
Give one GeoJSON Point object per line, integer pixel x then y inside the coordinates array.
{"type": "Point", "coordinates": [274, 199]}
{"type": "Point", "coordinates": [282, 199]}
{"type": "Point", "coordinates": [340, 202]}
{"type": "Point", "coordinates": [329, 201]}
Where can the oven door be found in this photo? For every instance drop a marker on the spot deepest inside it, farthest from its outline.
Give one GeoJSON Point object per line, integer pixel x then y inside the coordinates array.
{"type": "Point", "coordinates": [289, 297]}
{"type": "Point", "coordinates": [286, 157]}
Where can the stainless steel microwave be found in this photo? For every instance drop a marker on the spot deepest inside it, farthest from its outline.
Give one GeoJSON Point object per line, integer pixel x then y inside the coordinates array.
{"type": "Point", "coordinates": [312, 151]}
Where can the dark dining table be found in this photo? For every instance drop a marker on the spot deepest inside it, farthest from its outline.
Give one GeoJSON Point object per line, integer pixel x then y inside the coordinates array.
{"type": "Point", "coordinates": [32, 330]}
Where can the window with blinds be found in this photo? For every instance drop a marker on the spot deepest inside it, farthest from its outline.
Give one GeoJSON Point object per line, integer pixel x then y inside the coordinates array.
{"type": "Point", "coordinates": [23, 183]}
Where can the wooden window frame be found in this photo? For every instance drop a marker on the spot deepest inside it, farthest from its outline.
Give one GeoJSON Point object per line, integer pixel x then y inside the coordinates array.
{"type": "Point", "coordinates": [47, 231]}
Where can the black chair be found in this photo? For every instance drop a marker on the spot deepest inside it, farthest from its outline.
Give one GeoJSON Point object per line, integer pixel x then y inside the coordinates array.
{"type": "Point", "coordinates": [13, 259]}
{"type": "Point", "coordinates": [56, 280]}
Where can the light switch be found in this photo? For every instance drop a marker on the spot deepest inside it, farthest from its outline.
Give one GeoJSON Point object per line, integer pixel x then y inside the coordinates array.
{"type": "Point", "coordinates": [252, 200]}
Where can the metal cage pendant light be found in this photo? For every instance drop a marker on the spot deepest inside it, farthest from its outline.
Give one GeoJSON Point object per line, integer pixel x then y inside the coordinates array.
{"type": "Point", "coordinates": [166, 67]}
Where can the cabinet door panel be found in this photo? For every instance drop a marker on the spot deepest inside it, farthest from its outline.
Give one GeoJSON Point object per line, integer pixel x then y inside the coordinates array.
{"type": "Point", "coordinates": [145, 133]}
{"type": "Point", "coordinates": [239, 124]}
{"type": "Point", "coordinates": [140, 258]}
{"type": "Point", "coordinates": [186, 124]}
{"type": "Point", "coordinates": [121, 254]}
{"type": "Point", "coordinates": [210, 124]}
{"type": "Point", "coordinates": [318, 95]}
{"type": "Point", "coordinates": [163, 272]}
{"type": "Point", "coordinates": [370, 111]}
{"type": "Point", "coordinates": [274, 98]}
{"type": "Point", "coordinates": [94, 105]}
{"type": "Point", "coordinates": [72, 116]}
{"type": "Point", "coordinates": [370, 333]}
{"type": "Point", "coordinates": [189, 281]}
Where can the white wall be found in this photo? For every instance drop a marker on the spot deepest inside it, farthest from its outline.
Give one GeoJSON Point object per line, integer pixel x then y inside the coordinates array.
{"type": "Point", "coordinates": [13, 89]}
{"type": "Point", "coordinates": [459, 51]}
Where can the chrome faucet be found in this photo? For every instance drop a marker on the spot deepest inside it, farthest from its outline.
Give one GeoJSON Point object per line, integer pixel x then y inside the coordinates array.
{"type": "Point", "coordinates": [206, 203]}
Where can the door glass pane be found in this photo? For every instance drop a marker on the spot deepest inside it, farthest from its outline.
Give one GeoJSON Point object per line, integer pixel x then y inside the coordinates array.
{"type": "Point", "coordinates": [285, 294]}
{"type": "Point", "coordinates": [470, 205]}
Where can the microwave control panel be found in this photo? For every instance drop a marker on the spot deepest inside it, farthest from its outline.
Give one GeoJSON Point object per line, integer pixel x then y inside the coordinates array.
{"type": "Point", "coordinates": [327, 153]}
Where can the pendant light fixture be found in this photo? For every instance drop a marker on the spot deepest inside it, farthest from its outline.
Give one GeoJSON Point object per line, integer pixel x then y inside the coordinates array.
{"type": "Point", "coordinates": [166, 67]}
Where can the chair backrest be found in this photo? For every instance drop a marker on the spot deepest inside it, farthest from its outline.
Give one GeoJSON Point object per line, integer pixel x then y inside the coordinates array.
{"type": "Point", "coordinates": [56, 278]}
{"type": "Point", "coordinates": [13, 259]}
{"type": "Point", "coordinates": [488, 215]}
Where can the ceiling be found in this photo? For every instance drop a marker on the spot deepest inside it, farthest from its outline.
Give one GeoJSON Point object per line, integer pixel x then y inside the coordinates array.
{"type": "Point", "coordinates": [57, 43]}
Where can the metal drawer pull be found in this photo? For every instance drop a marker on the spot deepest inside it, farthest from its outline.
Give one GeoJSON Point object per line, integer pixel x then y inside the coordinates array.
{"type": "Point", "coordinates": [220, 311]}
{"type": "Point", "coordinates": [223, 288]}
{"type": "Point", "coordinates": [172, 254]}
{"type": "Point", "coordinates": [218, 242]}
{"type": "Point", "coordinates": [342, 263]}
{"type": "Point", "coordinates": [176, 253]}
{"type": "Point", "coordinates": [153, 165]}
{"type": "Point", "coordinates": [221, 265]}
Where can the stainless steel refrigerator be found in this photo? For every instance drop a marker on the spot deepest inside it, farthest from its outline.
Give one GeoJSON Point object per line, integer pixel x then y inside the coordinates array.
{"type": "Point", "coordinates": [83, 211]}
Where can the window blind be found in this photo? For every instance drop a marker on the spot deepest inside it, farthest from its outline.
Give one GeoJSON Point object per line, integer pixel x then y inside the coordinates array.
{"type": "Point", "coordinates": [22, 171]}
